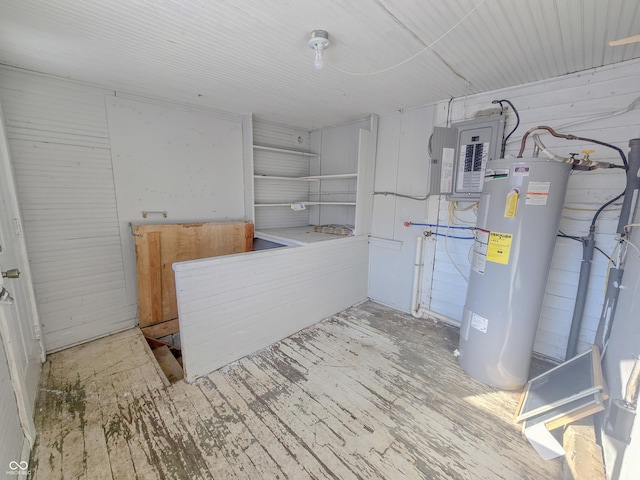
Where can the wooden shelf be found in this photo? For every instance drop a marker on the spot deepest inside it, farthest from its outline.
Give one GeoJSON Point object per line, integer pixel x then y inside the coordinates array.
{"type": "Point", "coordinates": [275, 177]}
{"type": "Point", "coordinates": [310, 178]}
{"type": "Point", "coordinates": [338, 176]}
{"type": "Point", "coordinates": [284, 150]}
{"type": "Point", "coordinates": [306, 204]}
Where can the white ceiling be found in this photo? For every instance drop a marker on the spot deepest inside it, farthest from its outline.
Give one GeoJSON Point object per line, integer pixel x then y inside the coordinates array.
{"type": "Point", "coordinates": [252, 55]}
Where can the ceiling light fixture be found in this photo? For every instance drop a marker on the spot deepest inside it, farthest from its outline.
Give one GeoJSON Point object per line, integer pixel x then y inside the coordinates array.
{"type": "Point", "coordinates": [318, 42]}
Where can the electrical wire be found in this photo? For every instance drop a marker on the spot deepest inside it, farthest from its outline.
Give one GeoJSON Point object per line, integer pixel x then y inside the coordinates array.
{"type": "Point", "coordinates": [577, 209]}
{"type": "Point", "coordinates": [428, 47]}
{"type": "Point", "coordinates": [600, 210]}
{"type": "Point", "coordinates": [629, 225]}
{"type": "Point", "coordinates": [402, 195]}
{"type": "Point", "coordinates": [504, 142]}
{"type": "Point", "coordinates": [453, 208]}
{"type": "Point", "coordinates": [451, 212]}
{"type": "Point", "coordinates": [448, 123]}
{"type": "Point", "coordinates": [446, 249]}
{"type": "Point", "coordinates": [579, 239]}
{"type": "Point", "coordinates": [602, 116]}
{"type": "Point", "coordinates": [628, 242]}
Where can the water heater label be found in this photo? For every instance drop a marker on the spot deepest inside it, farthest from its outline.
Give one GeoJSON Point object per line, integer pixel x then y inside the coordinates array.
{"type": "Point", "coordinates": [479, 323]}
{"type": "Point", "coordinates": [511, 204]}
{"type": "Point", "coordinates": [537, 193]}
{"type": "Point", "coordinates": [479, 258]}
{"type": "Point", "coordinates": [521, 171]}
{"type": "Point", "coordinates": [499, 247]}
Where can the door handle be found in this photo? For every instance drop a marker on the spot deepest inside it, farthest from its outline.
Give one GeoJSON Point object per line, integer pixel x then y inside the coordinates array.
{"type": "Point", "coordinates": [13, 273]}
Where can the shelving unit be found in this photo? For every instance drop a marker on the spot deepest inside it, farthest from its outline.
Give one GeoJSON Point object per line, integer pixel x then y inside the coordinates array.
{"type": "Point", "coordinates": [270, 186]}
{"type": "Point", "coordinates": [295, 188]}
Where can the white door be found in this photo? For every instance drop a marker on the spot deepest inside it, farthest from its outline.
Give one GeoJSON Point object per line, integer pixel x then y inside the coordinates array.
{"type": "Point", "coordinates": [19, 326]}
{"type": "Point", "coordinates": [11, 435]}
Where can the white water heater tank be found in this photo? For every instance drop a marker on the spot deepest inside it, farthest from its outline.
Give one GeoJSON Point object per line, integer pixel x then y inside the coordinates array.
{"type": "Point", "coordinates": [518, 220]}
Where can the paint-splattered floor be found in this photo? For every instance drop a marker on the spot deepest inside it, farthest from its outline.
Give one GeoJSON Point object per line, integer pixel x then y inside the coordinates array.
{"type": "Point", "coordinates": [369, 393]}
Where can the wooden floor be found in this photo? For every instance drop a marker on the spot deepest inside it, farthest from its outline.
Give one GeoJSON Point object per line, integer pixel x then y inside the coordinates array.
{"type": "Point", "coordinates": [369, 393]}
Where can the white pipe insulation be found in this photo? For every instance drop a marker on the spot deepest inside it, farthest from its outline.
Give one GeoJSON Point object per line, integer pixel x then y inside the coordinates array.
{"type": "Point", "coordinates": [417, 278]}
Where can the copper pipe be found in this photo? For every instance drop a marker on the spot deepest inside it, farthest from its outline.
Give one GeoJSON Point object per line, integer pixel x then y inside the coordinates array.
{"type": "Point", "coordinates": [542, 127]}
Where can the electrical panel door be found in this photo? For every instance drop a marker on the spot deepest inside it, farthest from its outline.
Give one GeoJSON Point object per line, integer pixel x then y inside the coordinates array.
{"type": "Point", "coordinates": [461, 165]}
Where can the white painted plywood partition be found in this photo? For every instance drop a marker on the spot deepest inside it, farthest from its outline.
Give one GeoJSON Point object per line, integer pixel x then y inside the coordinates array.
{"type": "Point", "coordinates": [235, 305]}
{"type": "Point", "coordinates": [187, 163]}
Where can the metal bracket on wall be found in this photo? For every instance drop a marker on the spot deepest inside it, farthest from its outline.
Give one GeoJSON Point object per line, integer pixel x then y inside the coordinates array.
{"type": "Point", "coordinates": [147, 212]}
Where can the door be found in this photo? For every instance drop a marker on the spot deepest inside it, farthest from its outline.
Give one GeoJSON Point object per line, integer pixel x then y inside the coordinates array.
{"type": "Point", "coordinates": [23, 351]}
{"type": "Point", "coordinates": [11, 435]}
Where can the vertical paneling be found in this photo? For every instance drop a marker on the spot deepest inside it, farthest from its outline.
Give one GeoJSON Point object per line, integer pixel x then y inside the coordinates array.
{"type": "Point", "coordinates": [401, 167]}
{"type": "Point", "coordinates": [367, 141]}
{"type": "Point", "coordinates": [232, 306]}
{"type": "Point", "coordinates": [60, 148]}
{"type": "Point", "coordinates": [576, 104]}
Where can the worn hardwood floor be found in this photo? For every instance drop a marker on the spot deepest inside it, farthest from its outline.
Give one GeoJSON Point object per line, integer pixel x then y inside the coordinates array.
{"type": "Point", "coordinates": [368, 393]}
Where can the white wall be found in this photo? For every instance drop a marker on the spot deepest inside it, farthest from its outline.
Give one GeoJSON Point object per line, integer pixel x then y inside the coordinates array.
{"type": "Point", "coordinates": [176, 160]}
{"type": "Point", "coordinates": [558, 102]}
{"type": "Point", "coordinates": [402, 165]}
{"type": "Point", "coordinates": [74, 220]}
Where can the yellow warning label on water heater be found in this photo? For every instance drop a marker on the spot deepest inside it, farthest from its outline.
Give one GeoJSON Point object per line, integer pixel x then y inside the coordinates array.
{"type": "Point", "coordinates": [511, 204]}
{"type": "Point", "coordinates": [499, 247]}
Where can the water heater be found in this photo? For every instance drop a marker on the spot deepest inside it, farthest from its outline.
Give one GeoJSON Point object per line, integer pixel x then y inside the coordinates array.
{"type": "Point", "coordinates": [518, 220]}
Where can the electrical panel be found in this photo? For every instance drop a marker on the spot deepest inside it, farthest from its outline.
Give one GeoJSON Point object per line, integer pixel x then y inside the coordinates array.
{"type": "Point", "coordinates": [459, 156]}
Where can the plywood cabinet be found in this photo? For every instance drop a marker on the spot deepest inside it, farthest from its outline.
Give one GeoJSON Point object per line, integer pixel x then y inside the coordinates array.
{"type": "Point", "coordinates": [158, 247]}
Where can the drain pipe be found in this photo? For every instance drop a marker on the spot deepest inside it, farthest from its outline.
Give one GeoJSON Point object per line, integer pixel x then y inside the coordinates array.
{"type": "Point", "coordinates": [615, 273]}
{"type": "Point", "coordinates": [417, 278]}
{"type": "Point", "coordinates": [588, 249]}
